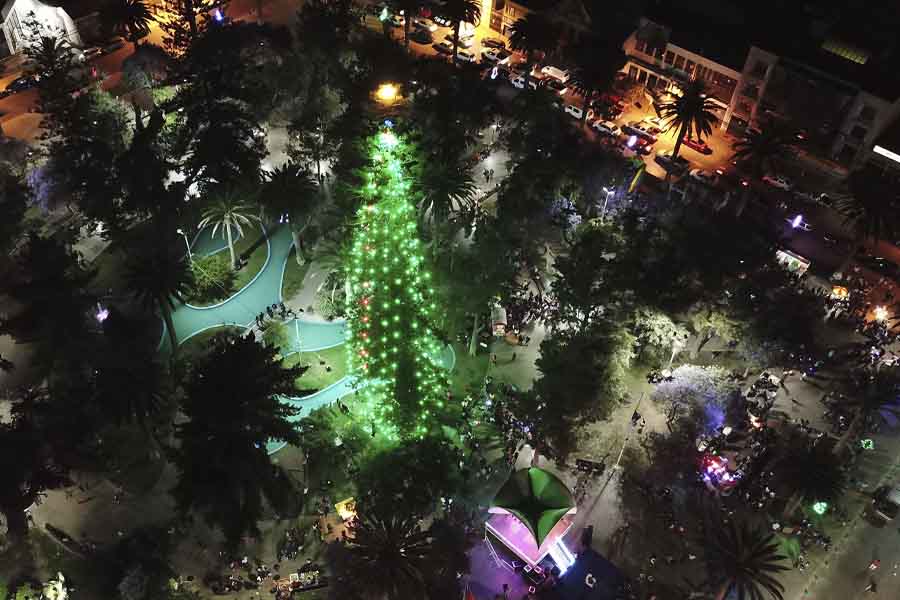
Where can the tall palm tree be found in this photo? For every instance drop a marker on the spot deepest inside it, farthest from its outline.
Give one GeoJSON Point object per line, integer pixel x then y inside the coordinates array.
{"type": "Point", "coordinates": [158, 277]}
{"type": "Point", "coordinates": [762, 151]}
{"type": "Point", "coordinates": [813, 472]}
{"type": "Point", "coordinates": [596, 64]}
{"type": "Point", "coordinates": [870, 205]}
{"type": "Point", "coordinates": [291, 191]}
{"type": "Point", "coordinates": [459, 12]}
{"type": "Point", "coordinates": [532, 34]}
{"type": "Point", "coordinates": [446, 188]}
{"type": "Point", "coordinates": [410, 9]}
{"type": "Point", "coordinates": [129, 18]}
{"type": "Point", "coordinates": [230, 211]}
{"type": "Point", "coordinates": [691, 114]}
{"type": "Point", "coordinates": [745, 560]}
{"type": "Point", "coordinates": [387, 556]}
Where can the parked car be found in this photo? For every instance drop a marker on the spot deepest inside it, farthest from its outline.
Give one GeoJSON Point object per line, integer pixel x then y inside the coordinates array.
{"type": "Point", "coordinates": [575, 111]}
{"type": "Point", "coordinates": [677, 165]}
{"type": "Point", "coordinates": [698, 145]}
{"type": "Point", "coordinates": [495, 55]}
{"type": "Point", "coordinates": [518, 82]}
{"type": "Point", "coordinates": [20, 84]}
{"type": "Point", "coordinates": [606, 128]}
{"type": "Point", "coordinates": [441, 20]}
{"type": "Point", "coordinates": [465, 56]}
{"type": "Point", "coordinates": [537, 83]}
{"type": "Point", "coordinates": [557, 86]}
{"type": "Point", "coordinates": [444, 47]}
{"type": "Point", "coordinates": [640, 145]}
{"type": "Point", "coordinates": [886, 502]}
{"type": "Point", "coordinates": [778, 181]}
{"type": "Point", "coordinates": [704, 176]}
{"type": "Point", "coordinates": [424, 23]}
{"type": "Point", "coordinates": [421, 36]}
{"type": "Point", "coordinates": [92, 52]}
{"type": "Point", "coordinates": [556, 73]}
{"type": "Point", "coordinates": [464, 42]}
{"type": "Point", "coordinates": [493, 43]}
{"type": "Point", "coordinates": [113, 45]}
{"type": "Point", "coordinates": [639, 129]}
{"type": "Point", "coordinates": [654, 121]}
{"type": "Point", "coordinates": [651, 127]}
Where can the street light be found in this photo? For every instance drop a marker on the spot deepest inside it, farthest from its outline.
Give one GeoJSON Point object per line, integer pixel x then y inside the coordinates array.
{"type": "Point", "coordinates": [609, 193]}
{"type": "Point", "coordinates": [881, 313]}
{"type": "Point", "coordinates": [186, 243]}
{"type": "Point", "coordinates": [387, 93]}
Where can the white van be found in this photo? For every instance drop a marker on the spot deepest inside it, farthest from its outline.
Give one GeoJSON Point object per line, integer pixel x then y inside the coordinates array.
{"type": "Point", "coordinates": [556, 73]}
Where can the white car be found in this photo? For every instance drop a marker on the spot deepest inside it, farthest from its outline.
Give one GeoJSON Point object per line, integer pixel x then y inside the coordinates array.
{"type": "Point", "coordinates": [703, 176]}
{"type": "Point", "coordinates": [425, 23]}
{"type": "Point", "coordinates": [441, 20]}
{"type": "Point", "coordinates": [518, 82]}
{"type": "Point", "coordinates": [778, 181]}
{"type": "Point", "coordinates": [573, 110]}
{"type": "Point", "coordinates": [465, 56]}
{"type": "Point", "coordinates": [556, 73]}
{"type": "Point", "coordinates": [495, 55]}
{"type": "Point", "coordinates": [464, 42]}
{"type": "Point", "coordinates": [606, 128]}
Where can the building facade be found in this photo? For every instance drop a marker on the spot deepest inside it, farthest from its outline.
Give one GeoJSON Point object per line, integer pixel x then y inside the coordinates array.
{"type": "Point", "coordinates": [17, 15]}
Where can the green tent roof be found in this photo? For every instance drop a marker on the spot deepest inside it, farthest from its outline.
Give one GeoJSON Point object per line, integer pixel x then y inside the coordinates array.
{"type": "Point", "coordinates": [537, 498]}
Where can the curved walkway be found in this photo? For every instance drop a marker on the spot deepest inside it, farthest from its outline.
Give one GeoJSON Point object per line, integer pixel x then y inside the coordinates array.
{"type": "Point", "coordinates": [265, 290]}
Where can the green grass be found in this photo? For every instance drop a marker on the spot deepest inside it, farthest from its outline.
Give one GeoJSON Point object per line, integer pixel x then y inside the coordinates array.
{"type": "Point", "coordinates": [254, 265]}
{"type": "Point", "coordinates": [293, 276]}
{"type": "Point", "coordinates": [468, 371]}
{"type": "Point", "coordinates": [318, 377]}
{"type": "Point", "coordinates": [197, 346]}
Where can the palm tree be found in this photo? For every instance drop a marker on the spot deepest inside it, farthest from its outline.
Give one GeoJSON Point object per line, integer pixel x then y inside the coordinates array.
{"type": "Point", "coordinates": [870, 206]}
{"type": "Point", "coordinates": [232, 408]}
{"type": "Point", "coordinates": [446, 188]}
{"type": "Point", "coordinates": [596, 64]}
{"type": "Point", "coordinates": [291, 191]}
{"type": "Point", "coordinates": [409, 8]}
{"type": "Point", "coordinates": [690, 114]}
{"type": "Point", "coordinates": [744, 560]}
{"type": "Point", "coordinates": [534, 33]}
{"type": "Point", "coordinates": [157, 277]}
{"type": "Point", "coordinates": [814, 473]}
{"type": "Point", "coordinates": [386, 556]}
{"type": "Point", "coordinates": [459, 12]}
{"type": "Point", "coordinates": [760, 152]}
{"type": "Point", "coordinates": [129, 18]}
{"type": "Point", "coordinates": [230, 211]}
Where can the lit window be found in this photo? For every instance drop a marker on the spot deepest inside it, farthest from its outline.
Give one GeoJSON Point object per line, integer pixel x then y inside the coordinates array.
{"type": "Point", "coordinates": [846, 51]}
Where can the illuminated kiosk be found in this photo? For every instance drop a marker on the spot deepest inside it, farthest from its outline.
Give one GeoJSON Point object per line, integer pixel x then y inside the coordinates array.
{"type": "Point", "coordinates": [531, 514]}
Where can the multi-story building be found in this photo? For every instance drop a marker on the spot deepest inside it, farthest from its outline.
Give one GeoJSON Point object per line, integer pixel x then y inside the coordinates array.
{"type": "Point", "coordinates": [840, 93]}
{"type": "Point", "coordinates": [16, 17]}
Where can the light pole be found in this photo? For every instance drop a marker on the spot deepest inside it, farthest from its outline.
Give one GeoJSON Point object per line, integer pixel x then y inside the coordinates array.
{"type": "Point", "coordinates": [609, 193]}
{"type": "Point", "coordinates": [186, 243]}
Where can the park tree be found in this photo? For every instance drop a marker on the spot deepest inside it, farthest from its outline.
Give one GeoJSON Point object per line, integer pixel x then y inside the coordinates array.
{"type": "Point", "coordinates": [535, 35]}
{"type": "Point", "coordinates": [394, 349]}
{"type": "Point", "coordinates": [229, 211]}
{"type": "Point", "coordinates": [596, 63]}
{"type": "Point", "coordinates": [290, 192]}
{"type": "Point", "coordinates": [29, 463]}
{"type": "Point", "coordinates": [232, 406]}
{"type": "Point", "coordinates": [187, 22]}
{"type": "Point", "coordinates": [744, 561]}
{"type": "Point", "coordinates": [129, 18]}
{"type": "Point", "coordinates": [51, 304]}
{"type": "Point", "coordinates": [658, 338]}
{"type": "Point", "coordinates": [690, 114]}
{"type": "Point", "coordinates": [713, 319]}
{"type": "Point", "coordinates": [15, 196]}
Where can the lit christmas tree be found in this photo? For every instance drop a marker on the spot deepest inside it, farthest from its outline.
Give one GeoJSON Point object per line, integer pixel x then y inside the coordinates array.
{"type": "Point", "coordinates": [394, 353]}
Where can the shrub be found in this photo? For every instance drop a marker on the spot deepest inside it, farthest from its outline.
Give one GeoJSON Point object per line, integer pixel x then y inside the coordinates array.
{"type": "Point", "coordinates": [275, 335]}
{"type": "Point", "coordinates": [213, 279]}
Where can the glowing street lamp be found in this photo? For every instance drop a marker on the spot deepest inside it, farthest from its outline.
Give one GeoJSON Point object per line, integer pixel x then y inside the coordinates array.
{"type": "Point", "coordinates": [609, 193]}
{"type": "Point", "coordinates": [186, 243]}
{"type": "Point", "coordinates": [387, 93]}
{"type": "Point", "coordinates": [881, 313]}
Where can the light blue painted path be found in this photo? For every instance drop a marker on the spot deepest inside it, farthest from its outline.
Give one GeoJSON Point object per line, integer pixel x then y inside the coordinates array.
{"type": "Point", "coordinates": [241, 310]}
{"type": "Point", "coordinates": [204, 243]}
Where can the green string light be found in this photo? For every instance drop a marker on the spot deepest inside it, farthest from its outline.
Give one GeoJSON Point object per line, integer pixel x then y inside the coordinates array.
{"type": "Point", "coordinates": [394, 354]}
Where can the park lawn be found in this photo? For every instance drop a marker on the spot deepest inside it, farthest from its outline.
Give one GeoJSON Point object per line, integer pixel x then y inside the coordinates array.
{"type": "Point", "coordinates": [254, 265]}
{"type": "Point", "coordinates": [196, 346]}
{"type": "Point", "coordinates": [318, 377]}
{"type": "Point", "coordinates": [468, 372]}
{"type": "Point", "coordinates": [293, 276]}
